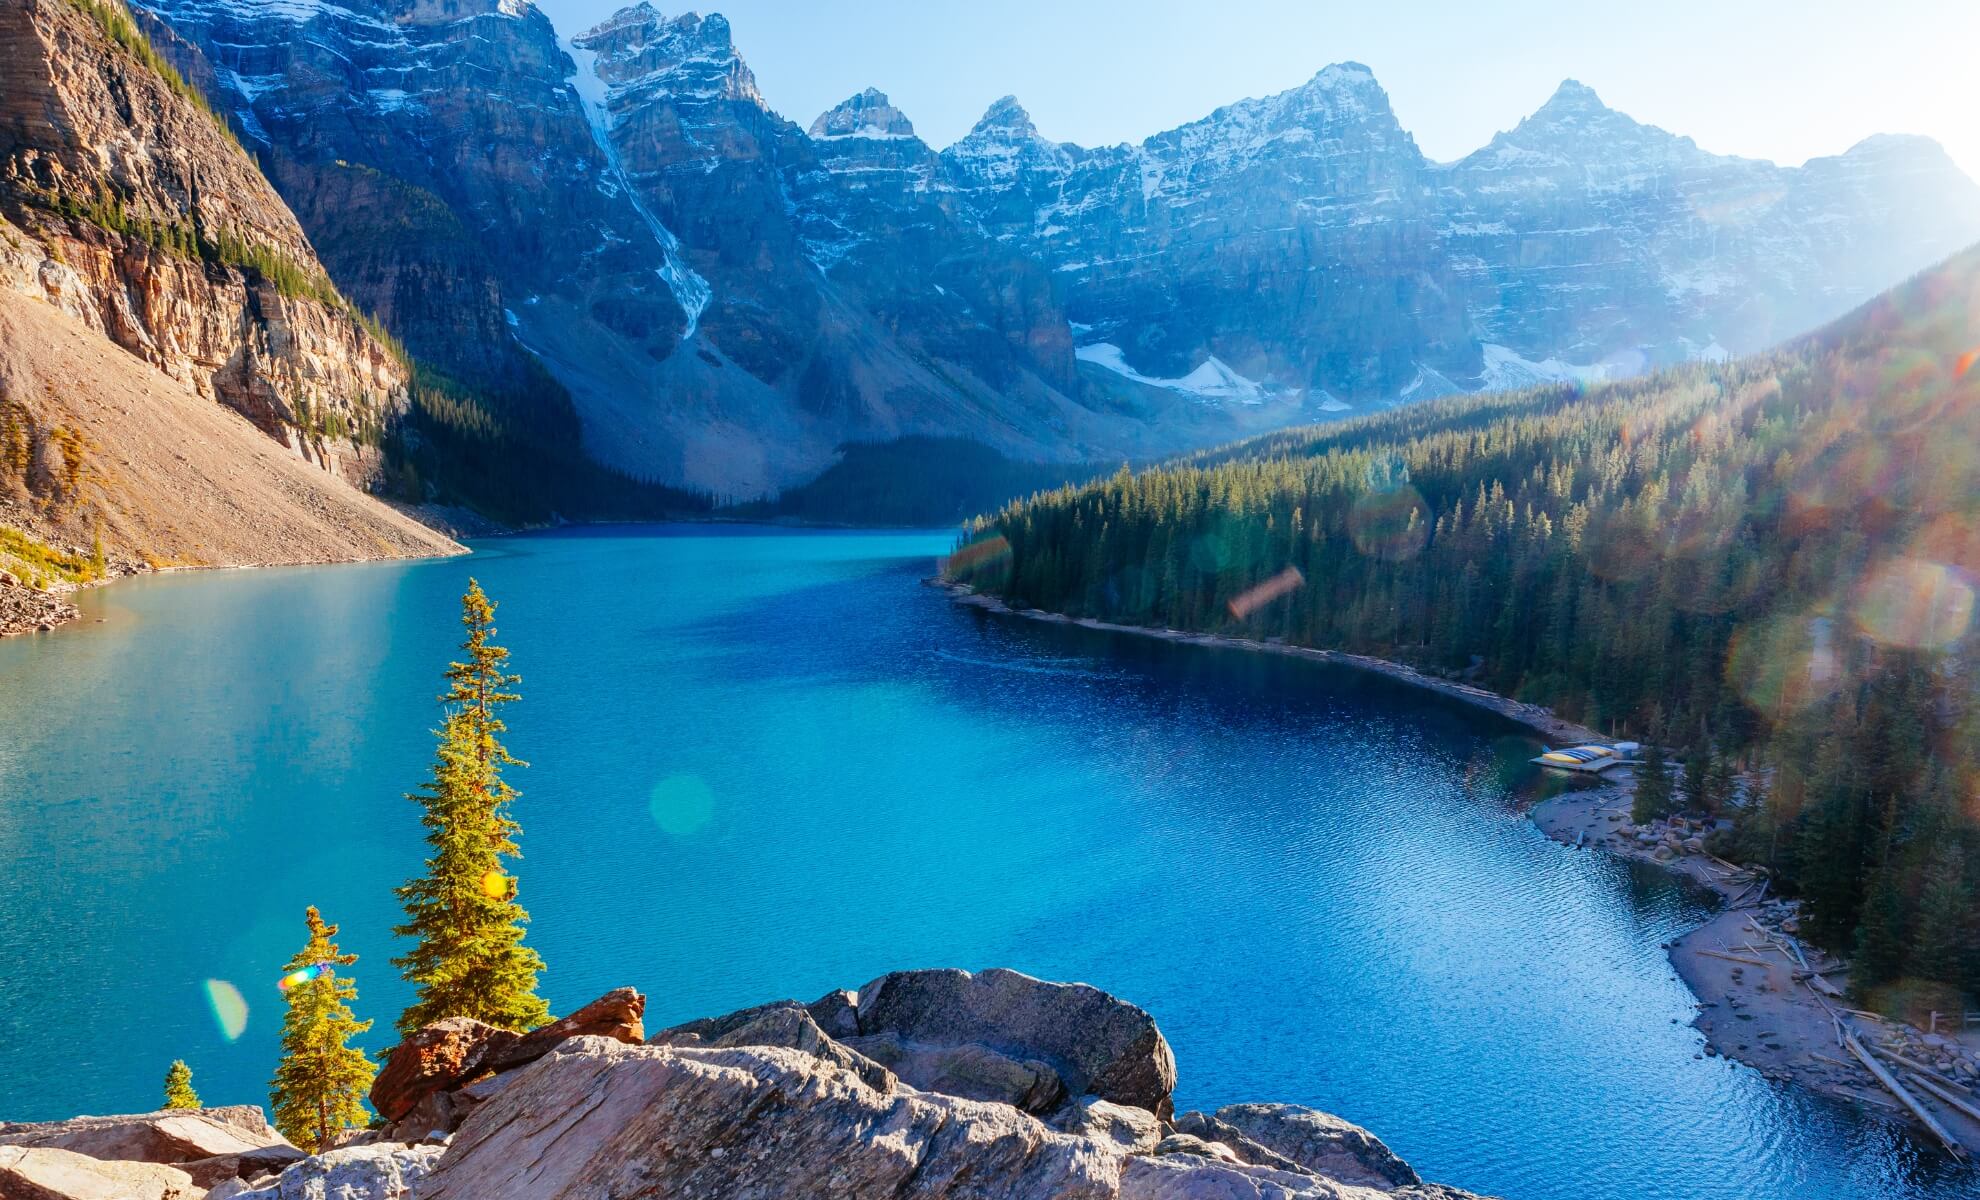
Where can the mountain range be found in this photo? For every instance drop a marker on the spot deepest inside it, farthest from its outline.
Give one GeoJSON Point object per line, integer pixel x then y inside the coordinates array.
{"type": "Point", "coordinates": [728, 298]}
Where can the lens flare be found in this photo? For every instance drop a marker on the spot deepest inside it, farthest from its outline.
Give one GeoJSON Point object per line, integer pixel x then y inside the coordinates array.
{"type": "Point", "coordinates": [1914, 602]}
{"type": "Point", "coordinates": [297, 978]}
{"type": "Point", "coordinates": [495, 885]}
{"type": "Point", "coordinates": [1254, 598]}
{"type": "Point", "coordinates": [681, 805]}
{"type": "Point", "coordinates": [230, 1011]}
{"type": "Point", "coordinates": [1621, 551]}
{"type": "Point", "coordinates": [1392, 525]}
{"type": "Point", "coordinates": [1965, 363]}
{"type": "Point", "coordinates": [991, 552]}
{"type": "Point", "coordinates": [1211, 552]}
{"type": "Point", "coordinates": [1783, 666]}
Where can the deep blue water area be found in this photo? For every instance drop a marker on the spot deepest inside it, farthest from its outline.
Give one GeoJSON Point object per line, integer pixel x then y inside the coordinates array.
{"type": "Point", "coordinates": [767, 763]}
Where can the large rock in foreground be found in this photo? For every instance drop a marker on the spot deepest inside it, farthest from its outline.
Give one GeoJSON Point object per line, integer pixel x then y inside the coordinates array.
{"type": "Point", "coordinates": [171, 1135]}
{"type": "Point", "coordinates": [208, 1145]}
{"type": "Point", "coordinates": [599, 1119]}
{"type": "Point", "coordinates": [44, 1173]}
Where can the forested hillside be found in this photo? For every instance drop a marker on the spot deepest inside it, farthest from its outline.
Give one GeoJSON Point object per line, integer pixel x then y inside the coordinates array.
{"type": "Point", "coordinates": [1767, 564]}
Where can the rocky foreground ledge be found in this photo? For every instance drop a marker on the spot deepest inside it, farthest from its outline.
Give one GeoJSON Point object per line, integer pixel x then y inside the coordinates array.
{"type": "Point", "coordinates": [922, 1084]}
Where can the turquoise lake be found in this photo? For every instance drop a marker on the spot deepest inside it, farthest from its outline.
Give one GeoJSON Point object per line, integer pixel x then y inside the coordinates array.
{"type": "Point", "coordinates": [769, 763]}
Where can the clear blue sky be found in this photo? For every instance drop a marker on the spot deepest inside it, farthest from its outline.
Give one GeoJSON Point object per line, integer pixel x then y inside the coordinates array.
{"type": "Point", "coordinates": [1779, 79]}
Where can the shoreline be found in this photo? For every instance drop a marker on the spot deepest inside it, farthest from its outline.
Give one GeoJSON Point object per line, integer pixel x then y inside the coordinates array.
{"type": "Point", "coordinates": [25, 610]}
{"type": "Point", "coordinates": [1752, 982]}
{"type": "Point", "coordinates": [1535, 717]}
{"type": "Point", "coordinates": [1763, 998]}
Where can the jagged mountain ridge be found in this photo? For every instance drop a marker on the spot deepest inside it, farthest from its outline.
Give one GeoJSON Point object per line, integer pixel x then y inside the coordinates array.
{"type": "Point", "coordinates": [729, 296]}
{"type": "Point", "coordinates": [1579, 244]}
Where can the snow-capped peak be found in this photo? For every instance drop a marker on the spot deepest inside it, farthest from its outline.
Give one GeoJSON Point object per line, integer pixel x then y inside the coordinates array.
{"type": "Point", "coordinates": [867, 115]}
{"type": "Point", "coordinates": [1007, 120]}
{"type": "Point", "coordinates": [689, 57]}
{"type": "Point", "coordinates": [1573, 96]}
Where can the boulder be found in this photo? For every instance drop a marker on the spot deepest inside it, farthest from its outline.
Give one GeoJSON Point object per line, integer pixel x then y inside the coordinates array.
{"type": "Point", "coordinates": [173, 1135]}
{"type": "Point", "coordinates": [442, 1055]}
{"type": "Point", "coordinates": [1321, 1143]}
{"type": "Point", "coordinates": [1211, 1129]}
{"type": "Point", "coordinates": [971, 1071]}
{"type": "Point", "coordinates": [435, 1116]}
{"type": "Point", "coordinates": [837, 1013]}
{"type": "Point", "coordinates": [618, 1014]}
{"type": "Point", "coordinates": [447, 1054]}
{"type": "Point", "coordinates": [249, 1164]}
{"type": "Point", "coordinates": [381, 1171]}
{"type": "Point", "coordinates": [784, 1023]}
{"type": "Point", "coordinates": [1133, 1129]}
{"type": "Point", "coordinates": [48, 1173]}
{"type": "Point", "coordinates": [1096, 1044]}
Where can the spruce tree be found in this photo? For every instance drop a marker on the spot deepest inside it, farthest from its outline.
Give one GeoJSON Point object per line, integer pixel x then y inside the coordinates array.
{"type": "Point", "coordinates": [178, 1086]}
{"type": "Point", "coordinates": [468, 959]}
{"type": "Point", "coordinates": [1879, 936]}
{"type": "Point", "coordinates": [319, 1088]}
{"type": "Point", "coordinates": [1945, 920]}
{"type": "Point", "coordinates": [1653, 787]}
{"type": "Point", "coordinates": [1697, 766]}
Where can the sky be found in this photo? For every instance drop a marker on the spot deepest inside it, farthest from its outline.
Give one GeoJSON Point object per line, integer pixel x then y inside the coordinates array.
{"type": "Point", "coordinates": [1786, 80]}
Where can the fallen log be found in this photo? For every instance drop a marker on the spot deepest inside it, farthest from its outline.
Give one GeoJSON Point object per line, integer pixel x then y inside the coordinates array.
{"type": "Point", "coordinates": [1910, 1101]}
{"type": "Point", "coordinates": [1946, 1095]}
{"type": "Point", "coordinates": [1921, 1068]}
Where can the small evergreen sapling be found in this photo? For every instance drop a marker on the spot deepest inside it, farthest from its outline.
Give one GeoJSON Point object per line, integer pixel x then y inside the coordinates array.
{"type": "Point", "coordinates": [318, 1090]}
{"type": "Point", "coordinates": [178, 1086]}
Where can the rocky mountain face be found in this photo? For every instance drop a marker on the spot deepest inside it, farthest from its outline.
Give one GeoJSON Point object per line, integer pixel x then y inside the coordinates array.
{"type": "Point", "coordinates": [729, 297]}
{"type": "Point", "coordinates": [435, 151]}
{"type": "Point", "coordinates": [132, 210]}
{"type": "Point", "coordinates": [923, 1085]}
{"type": "Point", "coordinates": [1305, 242]}
{"type": "Point", "coordinates": [179, 380]}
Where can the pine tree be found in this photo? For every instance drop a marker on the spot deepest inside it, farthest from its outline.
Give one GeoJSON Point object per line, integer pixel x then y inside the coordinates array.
{"type": "Point", "coordinates": [1879, 937]}
{"type": "Point", "coordinates": [1653, 788]}
{"type": "Point", "coordinates": [468, 959]}
{"type": "Point", "coordinates": [1697, 766]}
{"type": "Point", "coordinates": [1945, 920]}
{"type": "Point", "coordinates": [178, 1086]}
{"type": "Point", "coordinates": [319, 1088]}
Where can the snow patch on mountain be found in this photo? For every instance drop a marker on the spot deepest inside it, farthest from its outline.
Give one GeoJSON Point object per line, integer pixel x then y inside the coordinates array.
{"type": "Point", "coordinates": [690, 290]}
{"type": "Point", "coordinates": [1506, 370]}
{"type": "Point", "coordinates": [1214, 380]}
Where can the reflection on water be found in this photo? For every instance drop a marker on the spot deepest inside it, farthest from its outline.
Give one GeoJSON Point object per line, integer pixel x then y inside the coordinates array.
{"type": "Point", "coordinates": [769, 763]}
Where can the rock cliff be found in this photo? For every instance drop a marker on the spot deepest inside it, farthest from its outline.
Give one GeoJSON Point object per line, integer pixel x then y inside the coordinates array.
{"type": "Point", "coordinates": [179, 380]}
{"type": "Point", "coordinates": [133, 210]}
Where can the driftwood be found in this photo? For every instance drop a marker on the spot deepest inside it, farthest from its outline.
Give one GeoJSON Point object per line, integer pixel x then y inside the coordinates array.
{"type": "Point", "coordinates": [1922, 1068]}
{"type": "Point", "coordinates": [1910, 1101]}
{"type": "Point", "coordinates": [1946, 1095]}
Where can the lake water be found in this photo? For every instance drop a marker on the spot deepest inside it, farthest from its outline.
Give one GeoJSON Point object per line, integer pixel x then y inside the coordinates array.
{"type": "Point", "coordinates": [767, 764]}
